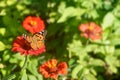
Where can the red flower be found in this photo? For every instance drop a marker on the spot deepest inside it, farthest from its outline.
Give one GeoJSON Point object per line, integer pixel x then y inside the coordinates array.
{"type": "Point", "coordinates": [50, 69]}
{"type": "Point", "coordinates": [20, 45]}
{"type": "Point", "coordinates": [91, 30]}
{"type": "Point", "coordinates": [33, 24]}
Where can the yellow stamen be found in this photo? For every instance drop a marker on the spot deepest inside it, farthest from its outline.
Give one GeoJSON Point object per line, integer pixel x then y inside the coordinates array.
{"type": "Point", "coordinates": [90, 28]}
{"type": "Point", "coordinates": [33, 23]}
{"type": "Point", "coordinates": [49, 65]}
{"type": "Point", "coordinates": [53, 64]}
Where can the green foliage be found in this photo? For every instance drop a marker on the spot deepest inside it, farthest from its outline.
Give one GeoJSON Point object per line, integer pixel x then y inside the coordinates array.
{"type": "Point", "coordinates": [87, 60]}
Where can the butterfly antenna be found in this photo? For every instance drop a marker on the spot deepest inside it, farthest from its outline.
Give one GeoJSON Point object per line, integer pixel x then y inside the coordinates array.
{"type": "Point", "coordinates": [45, 32]}
{"type": "Point", "coordinates": [24, 36]}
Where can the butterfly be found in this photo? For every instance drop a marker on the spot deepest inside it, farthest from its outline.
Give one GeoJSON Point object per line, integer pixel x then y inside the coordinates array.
{"type": "Point", "coordinates": [36, 41]}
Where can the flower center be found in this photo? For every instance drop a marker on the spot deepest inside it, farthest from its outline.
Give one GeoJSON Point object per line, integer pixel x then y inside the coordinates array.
{"type": "Point", "coordinates": [27, 46]}
{"type": "Point", "coordinates": [52, 67]}
{"type": "Point", "coordinates": [90, 28]}
{"type": "Point", "coordinates": [53, 70]}
{"type": "Point", "coordinates": [33, 23]}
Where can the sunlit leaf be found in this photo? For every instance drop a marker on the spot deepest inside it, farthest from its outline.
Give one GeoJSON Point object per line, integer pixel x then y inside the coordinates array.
{"type": "Point", "coordinates": [40, 77]}
{"type": "Point", "coordinates": [96, 62]}
{"type": "Point", "coordinates": [2, 31]}
{"type": "Point", "coordinates": [32, 67]}
{"type": "Point", "coordinates": [24, 76]}
{"type": "Point", "coordinates": [108, 20]}
{"type": "Point", "coordinates": [10, 2]}
{"type": "Point", "coordinates": [107, 5]}
{"type": "Point", "coordinates": [75, 48]}
{"type": "Point", "coordinates": [106, 33]}
{"type": "Point", "coordinates": [31, 77]}
{"type": "Point", "coordinates": [20, 7]}
{"type": "Point", "coordinates": [91, 47]}
{"type": "Point", "coordinates": [6, 56]}
{"type": "Point", "coordinates": [2, 46]}
{"type": "Point", "coordinates": [27, 1]}
{"type": "Point", "coordinates": [68, 12]}
{"type": "Point", "coordinates": [89, 77]}
{"type": "Point", "coordinates": [93, 71]}
{"type": "Point", "coordinates": [76, 71]}
{"type": "Point", "coordinates": [61, 7]}
{"type": "Point", "coordinates": [113, 69]}
{"type": "Point", "coordinates": [117, 11]}
{"type": "Point", "coordinates": [112, 62]}
{"type": "Point", "coordinates": [110, 49]}
{"type": "Point", "coordinates": [2, 3]}
{"type": "Point", "coordinates": [9, 77]}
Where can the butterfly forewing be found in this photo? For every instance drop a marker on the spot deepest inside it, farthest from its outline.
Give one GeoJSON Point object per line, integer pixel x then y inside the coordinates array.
{"type": "Point", "coordinates": [37, 40]}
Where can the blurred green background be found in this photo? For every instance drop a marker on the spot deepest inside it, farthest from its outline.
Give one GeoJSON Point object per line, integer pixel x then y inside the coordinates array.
{"type": "Point", "coordinates": [98, 60]}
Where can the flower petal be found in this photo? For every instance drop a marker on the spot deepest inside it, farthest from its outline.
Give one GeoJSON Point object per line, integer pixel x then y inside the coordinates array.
{"type": "Point", "coordinates": [62, 68]}
{"type": "Point", "coordinates": [33, 24]}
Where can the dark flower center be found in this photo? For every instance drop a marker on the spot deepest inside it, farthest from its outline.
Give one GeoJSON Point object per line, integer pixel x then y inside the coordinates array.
{"type": "Point", "coordinates": [27, 46]}
{"type": "Point", "coordinates": [53, 70]}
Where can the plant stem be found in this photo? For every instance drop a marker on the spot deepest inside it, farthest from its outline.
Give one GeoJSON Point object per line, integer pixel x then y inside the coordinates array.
{"type": "Point", "coordinates": [25, 63]}
{"type": "Point", "coordinates": [87, 42]}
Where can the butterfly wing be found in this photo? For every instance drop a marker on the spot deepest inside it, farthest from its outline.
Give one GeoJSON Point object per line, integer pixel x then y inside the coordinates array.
{"type": "Point", "coordinates": [27, 38]}
{"type": "Point", "coordinates": [37, 40]}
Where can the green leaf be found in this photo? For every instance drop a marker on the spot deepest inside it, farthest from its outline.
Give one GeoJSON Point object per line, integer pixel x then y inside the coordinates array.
{"type": "Point", "coordinates": [108, 20]}
{"type": "Point", "coordinates": [93, 71]}
{"type": "Point", "coordinates": [2, 46]}
{"type": "Point", "coordinates": [24, 76]}
{"type": "Point", "coordinates": [31, 77]}
{"type": "Point", "coordinates": [110, 49]}
{"type": "Point", "coordinates": [106, 33]}
{"type": "Point", "coordinates": [32, 67]}
{"type": "Point", "coordinates": [76, 70]}
{"type": "Point", "coordinates": [19, 56]}
{"type": "Point", "coordinates": [27, 2]}
{"type": "Point", "coordinates": [2, 31]}
{"type": "Point", "coordinates": [20, 7]}
{"type": "Point", "coordinates": [71, 61]}
{"type": "Point", "coordinates": [40, 77]}
{"type": "Point", "coordinates": [6, 56]}
{"type": "Point", "coordinates": [61, 7]}
{"type": "Point", "coordinates": [91, 47]}
{"type": "Point", "coordinates": [2, 3]}
{"type": "Point", "coordinates": [111, 60]}
{"type": "Point", "coordinates": [115, 40]}
{"type": "Point", "coordinates": [93, 14]}
{"type": "Point", "coordinates": [8, 21]}
{"type": "Point", "coordinates": [9, 77]}
{"type": "Point", "coordinates": [117, 52]}
{"type": "Point", "coordinates": [16, 58]}
{"type": "Point", "coordinates": [87, 4]}
{"type": "Point", "coordinates": [68, 12]}
{"type": "Point", "coordinates": [10, 2]}
{"type": "Point", "coordinates": [100, 77]}
{"type": "Point", "coordinates": [113, 69]}
{"type": "Point", "coordinates": [96, 62]}
{"type": "Point", "coordinates": [89, 77]}
{"type": "Point", "coordinates": [108, 5]}
{"type": "Point", "coordinates": [117, 11]}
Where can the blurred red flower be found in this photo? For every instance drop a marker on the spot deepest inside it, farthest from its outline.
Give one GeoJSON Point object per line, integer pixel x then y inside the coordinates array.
{"type": "Point", "coordinates": [51, 69]}
{"type": "Point", "coordinates": [33, 24]}
{"type": "Point", "coordinates": [20, 45]}
{"type": "Point", "coordinates": [91, 30]}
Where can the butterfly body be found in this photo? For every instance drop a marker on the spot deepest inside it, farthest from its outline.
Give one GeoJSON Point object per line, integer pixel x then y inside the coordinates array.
{"type": "Point", "coordinates": [36, 41]}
